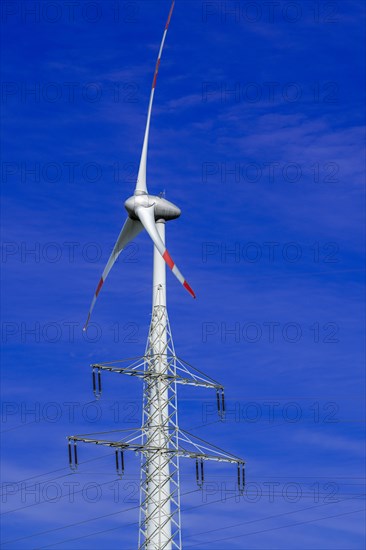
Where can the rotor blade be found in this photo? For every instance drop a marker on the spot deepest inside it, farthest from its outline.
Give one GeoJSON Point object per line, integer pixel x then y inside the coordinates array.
{"type": "Point", "coordinates": [147, 218]}
{"type": "Point", "coordinates": [129, 231]}
{"type": "Point", "coordinates": [141, 178]}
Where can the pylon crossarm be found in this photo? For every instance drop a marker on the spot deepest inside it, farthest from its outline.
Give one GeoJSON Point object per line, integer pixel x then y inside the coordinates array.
{"type": "Point", "coordinates": [126, 446]}
{"type": "Point", "coordinates": [213, 454]}
{"type": "Point", "coordinates": [136, 361]}
{"type": "Point", "coordinates": [201, 448]}
{"type": "Point", "coordinates": [195, 373]}
{"type": "Point", "coordinates": [106, 443]}
{"type": "Point", "coordinates": [132, 431]}
{"type": "Point", "coordinates": [202, 451]}
{"type": "Point", "coordinates": [97, 369]}
{"type": "Point", "coordinates": [204, 456]}
{"type": "Point", "coordinates": [138, 369]}
{"type": "Point", "coordinates": [170, 377]}
{"type": "Point", "coordinates": [120, 447]}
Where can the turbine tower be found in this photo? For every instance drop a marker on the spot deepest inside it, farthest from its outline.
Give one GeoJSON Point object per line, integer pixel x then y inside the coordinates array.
{"type": "Point", "coordinates": [160, 441]}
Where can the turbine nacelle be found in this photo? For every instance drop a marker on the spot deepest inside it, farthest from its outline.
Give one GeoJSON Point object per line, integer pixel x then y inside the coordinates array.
{"type": "Point", "coordinates": [163, 209]}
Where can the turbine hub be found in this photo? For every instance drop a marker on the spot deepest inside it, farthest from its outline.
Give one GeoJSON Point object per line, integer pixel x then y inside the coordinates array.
{"type": "Point", "coordinates": [163, 209]}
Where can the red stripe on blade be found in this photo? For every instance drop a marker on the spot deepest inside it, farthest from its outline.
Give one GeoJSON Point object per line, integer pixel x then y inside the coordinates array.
{"type": "Point", "coordinates": [156, 73]}
{"type": "Point", "coordinates": [99, 286]}
{"type": "Point", "coordinates": [168, 259]}
{"type": "Point", "coordinates": [190, 290]}
{"type": "Point", "coordinates": [170, 15]}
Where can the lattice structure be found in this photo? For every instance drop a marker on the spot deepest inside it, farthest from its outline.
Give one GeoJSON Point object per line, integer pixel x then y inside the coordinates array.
{"type": "Point", "coordinates": [159, 496]}
{"type": "Point", "coordinates": [160, 441]}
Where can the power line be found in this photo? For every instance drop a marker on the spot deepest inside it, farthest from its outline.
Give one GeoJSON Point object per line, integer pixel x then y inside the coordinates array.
{"type": "Point", "coordinates": [266, 518]}
{"type": "Point", "coordinates": [87, 521]}
{"type": "Point", "coordinates": [26, 424]}
{"type": "Point", "coordinates": [184, 510]}
{"type": "Point", "coordinates": [278, 528]}
{"type": "Point", "coordinates": [82, 522]}
{"type": "Point", "coordinates": [18, 426]}
{"type": "Point", "coordinates": [47, 501]}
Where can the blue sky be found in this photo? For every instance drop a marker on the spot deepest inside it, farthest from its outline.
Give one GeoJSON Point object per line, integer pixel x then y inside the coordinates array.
{"type": "Point", "coordinates": [257, 134]}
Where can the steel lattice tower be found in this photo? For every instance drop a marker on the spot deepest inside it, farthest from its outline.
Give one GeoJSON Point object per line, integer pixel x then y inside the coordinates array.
{"type": "Point", "coordinates": [160, 441]}
{"type": "Point", "coordinates": [159, 497]}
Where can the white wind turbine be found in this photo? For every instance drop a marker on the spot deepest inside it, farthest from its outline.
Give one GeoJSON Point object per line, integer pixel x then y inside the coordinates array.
{"type": "Point", "coordinates": [160, 441]}
{"type": "Point", "coordinates": [146, 211]}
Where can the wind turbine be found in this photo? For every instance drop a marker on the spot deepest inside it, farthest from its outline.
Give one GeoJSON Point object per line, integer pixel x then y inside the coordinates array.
{"type": "Point", "coordinates": [160, 441]}
{"type": "Point", "coordinates": [146, 211]}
